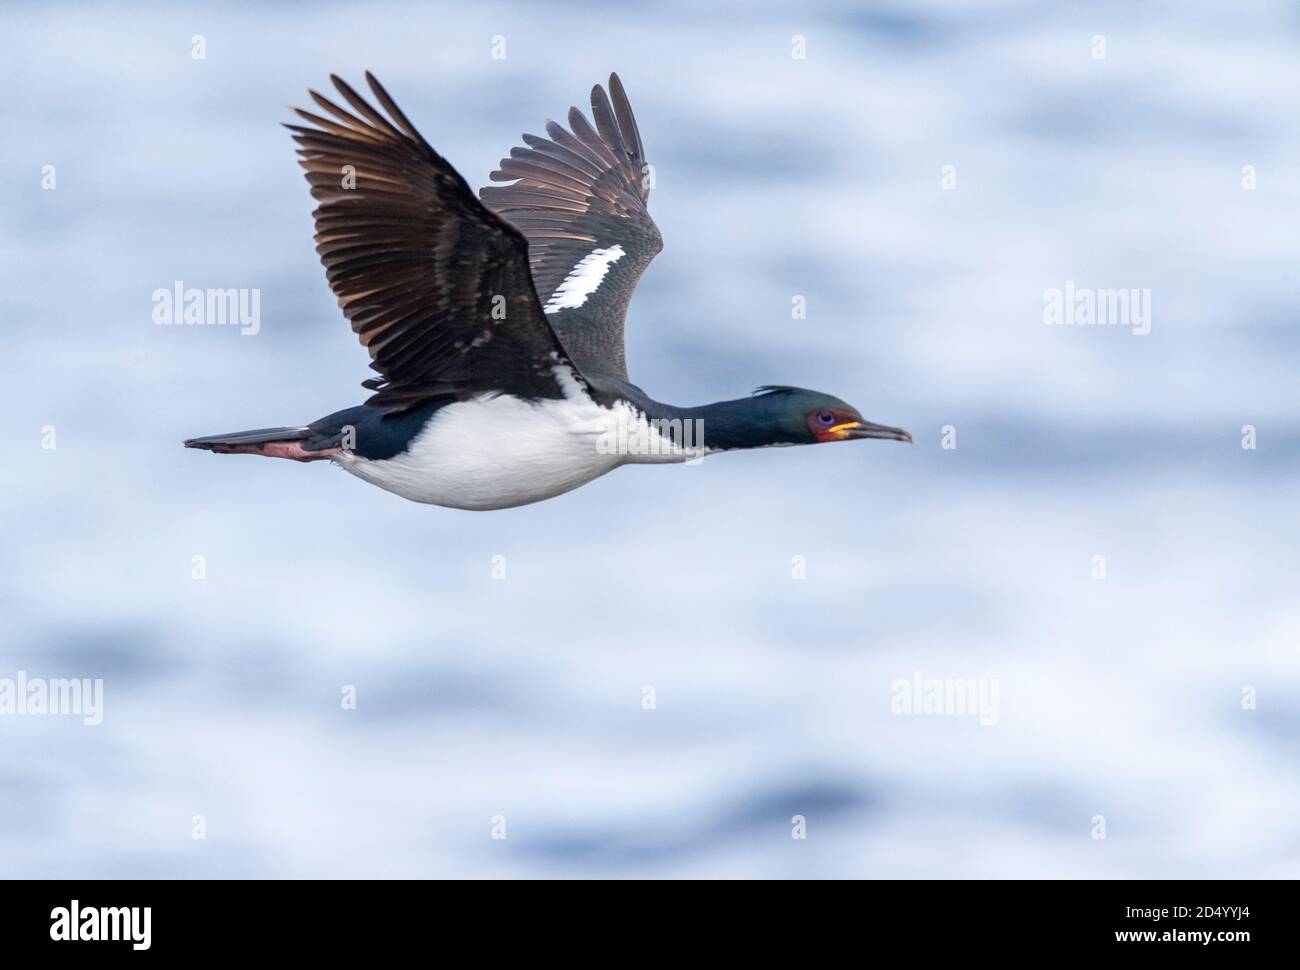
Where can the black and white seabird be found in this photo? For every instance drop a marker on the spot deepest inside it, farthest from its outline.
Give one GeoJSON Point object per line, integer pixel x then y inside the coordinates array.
{"type": "Point", "coordinates": [496, 323]}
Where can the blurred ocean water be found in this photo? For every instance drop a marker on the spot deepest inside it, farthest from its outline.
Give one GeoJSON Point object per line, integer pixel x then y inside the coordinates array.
{"type": "Point", "coordinates": [521, 697]}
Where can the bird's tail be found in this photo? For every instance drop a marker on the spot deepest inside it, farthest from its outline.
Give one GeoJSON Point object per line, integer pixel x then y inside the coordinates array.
{"type": "Point", "coordinates": [271, 442]}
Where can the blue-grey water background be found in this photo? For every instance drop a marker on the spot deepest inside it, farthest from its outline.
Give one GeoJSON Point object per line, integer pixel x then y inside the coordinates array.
{"type": "Point", "coordinates": [521, 697]}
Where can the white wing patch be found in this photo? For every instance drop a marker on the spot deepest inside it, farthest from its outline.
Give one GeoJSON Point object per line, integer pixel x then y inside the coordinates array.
{"type": "Point", "coordinates": [583, 280]}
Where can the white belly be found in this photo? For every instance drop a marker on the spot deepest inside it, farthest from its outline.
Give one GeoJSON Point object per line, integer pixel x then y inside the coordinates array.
{"type": "Point", "coordinates": [499, 452]}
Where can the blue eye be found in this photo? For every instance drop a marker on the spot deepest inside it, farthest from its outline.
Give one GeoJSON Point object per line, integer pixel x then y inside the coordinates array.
{"type": "Point", "coordinates": [826, 418]}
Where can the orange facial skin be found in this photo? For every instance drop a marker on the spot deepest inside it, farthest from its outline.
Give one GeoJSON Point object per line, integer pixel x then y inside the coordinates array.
{"type": "Point", "coordinates": [841, 424]}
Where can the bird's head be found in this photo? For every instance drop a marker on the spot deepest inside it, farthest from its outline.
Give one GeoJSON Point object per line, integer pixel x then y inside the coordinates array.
{"type": "Point", "coordinates": [801, 416]}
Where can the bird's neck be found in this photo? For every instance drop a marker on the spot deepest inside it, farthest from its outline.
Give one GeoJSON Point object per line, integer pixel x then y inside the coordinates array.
{"type": "Point", "coordinates": [747, 422]}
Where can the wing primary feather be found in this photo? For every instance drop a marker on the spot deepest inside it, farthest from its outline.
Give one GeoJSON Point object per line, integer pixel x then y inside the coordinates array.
{"type": "Point", "coordinates": [349, 119]}
{"type": "Point", "coordinates": [363, 106]}
{"type": "Point", "coordinates": [605, 123]}
{"type": "Point", "coordinates": [582, 128]}
{"type": "Point", "coordinates": [567, 140]}
{"type": "Point", "coordinates": [562, 154]}
{"type": "Point", "coordinates": [391, 107]}
{"type": "Point", "coordinates": [626, 120]}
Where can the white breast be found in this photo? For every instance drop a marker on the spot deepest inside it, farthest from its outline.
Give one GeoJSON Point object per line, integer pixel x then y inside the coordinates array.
{"type": "Point", "coordinates": [498, 451]}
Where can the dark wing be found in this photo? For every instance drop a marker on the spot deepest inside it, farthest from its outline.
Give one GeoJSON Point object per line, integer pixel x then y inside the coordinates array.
{"type": "Point", "coordinates": [436, 286]}
{"type": "Point", "coordinates": [580, 199]}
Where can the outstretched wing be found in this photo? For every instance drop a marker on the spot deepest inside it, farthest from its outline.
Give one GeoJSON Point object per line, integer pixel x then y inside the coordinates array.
{"type": "Point", "coordinates": [580, 199]}
{"type": "Point", "coordinates": [436, 286]}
